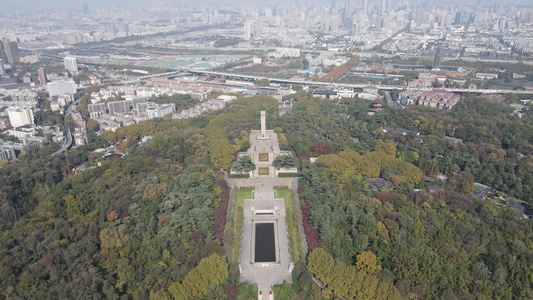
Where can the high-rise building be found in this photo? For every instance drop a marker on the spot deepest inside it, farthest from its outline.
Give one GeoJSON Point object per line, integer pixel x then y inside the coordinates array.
{"type": "Point", "coordinates": [365, 6]}
{"type": "Point", "coordinates": [497, 7]}
{"type": "Point", "coordinates": [333, 5]}
{"type": "Point", "coordinates": [348, 7]}
{"type": "Point", "coordinates": [438, 56]}
{"type": "Point", "coordinates": [20, 116]}
{"type": "Point", "coordinates": [137, 101]}
{"type": "Point", "coordinates": [384, 7]}
{"type": "Point", "coordinates": [96, 110]}
{"type": "Point", "coordinates": [2, 52]}
{"type": "Point", "coordinates": [119, 106]}
{"type": "Point", "coordinates": [458, 18]}
{"type": "Point", "coordinates": [12, 52]}
{"type": "Point", "coordinates": [71, 64]}
{"type": "Point", "coordinates": [42, 76]}
{"type": "Point", "coordinates": [85, 9]}
{"type": "Point", "coordinates": [2, 67]}
{"type": "Point", "coordinates": [249, 30]}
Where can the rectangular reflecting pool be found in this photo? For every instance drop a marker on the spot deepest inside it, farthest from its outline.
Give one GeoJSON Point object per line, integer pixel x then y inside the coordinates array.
{"type": "Point", "coordinates": [265, 245]}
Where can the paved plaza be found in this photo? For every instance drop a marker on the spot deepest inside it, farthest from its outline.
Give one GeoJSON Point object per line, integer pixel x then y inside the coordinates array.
{"type": "Point", "coordinates": [265, 275]}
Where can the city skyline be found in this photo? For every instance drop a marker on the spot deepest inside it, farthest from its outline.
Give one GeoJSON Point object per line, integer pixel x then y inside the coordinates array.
{"type": "Point", "coordinates": [30, 6]}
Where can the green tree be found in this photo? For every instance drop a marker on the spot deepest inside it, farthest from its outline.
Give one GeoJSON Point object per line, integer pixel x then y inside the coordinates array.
{"type": "Point", "coordinates": [284, 161]}
{"type": "Point", "coordinates": [244, 164]}
{"type": "Point", "coordinates": [92, 125]}
{"type": "Point", "coordinates": [263, 82]}
{"type": "Point", "coordinates": [83, 105]}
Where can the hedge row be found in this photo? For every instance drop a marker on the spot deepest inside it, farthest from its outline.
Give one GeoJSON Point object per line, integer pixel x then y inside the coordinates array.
{"type": "Point", "coordinates": [284, 175]}
{"type": "Point", "coordinates": [238, 175]}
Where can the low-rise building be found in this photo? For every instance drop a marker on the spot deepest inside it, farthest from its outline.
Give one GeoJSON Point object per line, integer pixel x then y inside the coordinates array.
{"type": "Point", "coordinates": [80, 136]}
{"type": "Point", "coordinates": [158, 111]}
{"type": "Point", "coordinates": [439, 99]}
{"type": "Point", "coordinates": [54, 106]}
{"type": "Point", "coordinates": [487, 75]}
{"type": "Point", "coordinates": [4, 124]}
{"type": "Point", "coordinates": [78, 118]}
{"type": "Point", "coordinates": [198, 110]}
{"type": "Point", "coordinates": [7, 150]}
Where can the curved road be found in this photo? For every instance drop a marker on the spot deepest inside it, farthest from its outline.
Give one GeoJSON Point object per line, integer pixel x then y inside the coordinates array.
{"type": "Point", "coordinates": [66, 144]}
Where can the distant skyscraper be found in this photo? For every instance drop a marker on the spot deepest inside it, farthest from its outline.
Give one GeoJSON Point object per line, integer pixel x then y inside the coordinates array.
{"type": "Point", "coordinates": [12, 52]}
{"type": "Point", "coordinates": [458, 18]}
{"type": "Point", "coordinates": [85, 9]}
{"type": "Point", "coordinates": [71, 64]}
{"type": "Point", "coordinates": [365, 6]}
{"type": "Point", "coordinates": [2, 52]}
{"type": "Point", "coordinates": [42, 76]}
{"type": "Point", "coordinates": [2, 67]}
{"type": "Point", "coordinates": [348, 7]}
{"type": "Point", "coordinates": [249, 30]}
{"type": "Point", "coordinates": [384, 6]}
{"type": "Point", "coordinates": [497, 7]}
{"type": "Point", "coordinates": [438, 56]}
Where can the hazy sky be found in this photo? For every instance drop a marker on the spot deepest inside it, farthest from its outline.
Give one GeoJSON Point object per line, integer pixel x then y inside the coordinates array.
{"type": "Point", "coordinates": [9, 6]}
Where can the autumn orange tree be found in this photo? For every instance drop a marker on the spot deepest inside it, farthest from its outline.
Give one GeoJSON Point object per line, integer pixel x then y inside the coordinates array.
{"type": "Point", "coordinates": [339, 71]}
{"type": "Point", "coordinates": [350, 164]}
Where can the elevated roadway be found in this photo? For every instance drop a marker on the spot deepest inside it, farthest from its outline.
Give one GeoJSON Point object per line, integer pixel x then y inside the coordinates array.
{"type": "Point", "coordinates": [184, 71]}
{"type": "Point", "coordinates": [66, 144]}
{"type": "Point", "coordinates": [352, 86]}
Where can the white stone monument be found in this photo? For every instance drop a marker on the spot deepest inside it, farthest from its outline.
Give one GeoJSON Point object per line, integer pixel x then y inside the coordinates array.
{"type": "Point", "coordinates": [263, 124]}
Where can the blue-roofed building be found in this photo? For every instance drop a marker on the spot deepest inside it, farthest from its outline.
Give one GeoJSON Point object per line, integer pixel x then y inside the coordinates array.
{"type": "Point", "coordinates": [519, 207]}
{"type": "Point", "coordinates": [481, 192]}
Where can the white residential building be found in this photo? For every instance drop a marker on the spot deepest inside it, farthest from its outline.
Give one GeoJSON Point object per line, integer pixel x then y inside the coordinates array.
{"type": "Point", "coordinates": [158, 111]}
{"type": "Point", "coordinates": [95, 110]}
{"type": "Point", "coordinates": [70, 64]}
{"type": "Point", "coordinates": [2, 67]}
{"type": "Point", "coordinates": [80, 137]}
{"type": "Point", "coordinates": [61, 88]}
{"type": "Point", "coordinates": [54, 106]}
{"type": "Point", "coordinates": [20, 116]}
{"type": "Point", "coordinates": [119, 106]}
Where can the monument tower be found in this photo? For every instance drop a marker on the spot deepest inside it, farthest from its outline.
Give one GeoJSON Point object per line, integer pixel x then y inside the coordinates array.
{"type": "Point", "coordinates": [263, 124]}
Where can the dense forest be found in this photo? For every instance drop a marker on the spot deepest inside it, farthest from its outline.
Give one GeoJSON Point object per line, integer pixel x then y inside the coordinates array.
{"type": "Point", "coordinates": [141, 225]}
{"type": "Point", "coordinates": [444, 244]}
{"type": "Point", "coordinates": [150, 223]}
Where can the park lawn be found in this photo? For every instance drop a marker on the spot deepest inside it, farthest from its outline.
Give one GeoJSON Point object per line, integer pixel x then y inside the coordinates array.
{"type": "Point", "coordinates": [238, 221]}
{"type": "Point", "coordinates": [283, 193]}
{"type": "Point", "coordinates": [291, 223]}
{"type": "Point", "coordinates": [244, 194]}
